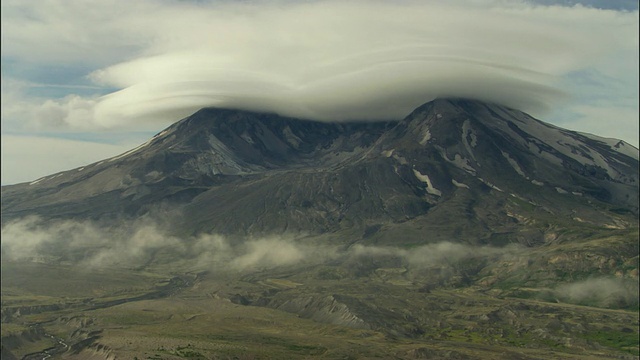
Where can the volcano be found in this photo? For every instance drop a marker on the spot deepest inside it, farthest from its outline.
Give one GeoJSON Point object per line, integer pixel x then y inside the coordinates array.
{"type": "Point", "coordinates": [238, 172]}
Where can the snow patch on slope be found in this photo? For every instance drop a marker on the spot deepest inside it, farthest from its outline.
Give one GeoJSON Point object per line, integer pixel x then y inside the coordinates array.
{"type": "Point", "coordinates": [616, 145]}
{"type": "Point", "coordinates": [387, 153]}
{"type": "Point", "coordinates": [467, 133]}
{"type": "Point", "coordinates": [460, 185]}
{"type": "Point", "coordinates": [425, 179]}
{"type": "Point", "coordinates": [523, 199]}
{"type": "Point", "coordinates": [130, 151]}
{"type": "Point", "coordinates": [37, 181]}
{"type": "Point", "coordinates": [160, 134]}
{"type": "Point", "coordinates": [490, 184]}
{"type": "Point", "coordinates": [426, 136]}
{"type": "Point", "coordinates": [398, 158]}
{"type": "Point", "coordinates": [458, 161]}
{"type": "Point", "coordinates": [514, 164]}
{"type": "Point", "coordinates": [553, 143]}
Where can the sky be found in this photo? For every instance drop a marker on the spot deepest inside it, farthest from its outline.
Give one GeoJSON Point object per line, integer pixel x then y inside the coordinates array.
{"type": "Point", "coordinates": [86, 80]}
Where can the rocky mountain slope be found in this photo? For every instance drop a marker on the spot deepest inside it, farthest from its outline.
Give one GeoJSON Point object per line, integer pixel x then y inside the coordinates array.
{"type": "Point", "coordinates": [461, 168]}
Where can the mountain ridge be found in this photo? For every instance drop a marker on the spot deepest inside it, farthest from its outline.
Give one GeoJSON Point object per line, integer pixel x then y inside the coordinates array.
{"type": "Point", "coordinates": [238, 171]}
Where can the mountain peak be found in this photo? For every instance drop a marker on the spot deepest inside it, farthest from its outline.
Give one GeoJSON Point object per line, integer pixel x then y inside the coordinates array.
{"type": "Point", "coordinates": [315, 176]}
{"type": "Point", "coordinates": [455, 104]}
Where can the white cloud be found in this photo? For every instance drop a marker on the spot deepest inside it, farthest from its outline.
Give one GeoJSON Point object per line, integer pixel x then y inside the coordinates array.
{"type": "Point", "coordinates": [81, 33]}
{"type": "Point", "coordinates": [323, 59]}
{"type": "Point", "coordinates": [72, 111]}
{"type": "Point", "coordinates": [21, 112]}
{"type": "Point", "coordinates": [138, 242]}
{"type": "Point", "coordinates": [269, 252]}
{"type": "Point", "coordinates": [603, 291]}
{"type": "Point", "coordinates": [334, 60]}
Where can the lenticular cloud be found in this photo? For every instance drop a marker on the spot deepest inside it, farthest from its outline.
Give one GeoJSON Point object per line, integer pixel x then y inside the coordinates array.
{"type": "Point", "coordinates": [347, 60]}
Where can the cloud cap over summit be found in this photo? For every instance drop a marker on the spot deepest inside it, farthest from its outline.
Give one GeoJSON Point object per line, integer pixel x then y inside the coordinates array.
{"type": "Point", "coordinates": [104, 74]}
{"type": "Point", "coordinates": [325, 60]}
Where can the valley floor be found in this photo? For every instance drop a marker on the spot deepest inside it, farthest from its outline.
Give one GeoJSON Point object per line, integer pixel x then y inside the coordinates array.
{"type": "Point", "coordinates": [290, 313]}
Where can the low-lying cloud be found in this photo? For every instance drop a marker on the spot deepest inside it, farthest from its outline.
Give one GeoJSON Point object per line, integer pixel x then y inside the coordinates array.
{"type": "Point", "coordinates": [141, 243]}
{"type": "Point", "coordinates": [438, 254]}
{"type": "Point", "coordinates": [601, 291]}
{"type": "Point", "coordinates": [68, 241]}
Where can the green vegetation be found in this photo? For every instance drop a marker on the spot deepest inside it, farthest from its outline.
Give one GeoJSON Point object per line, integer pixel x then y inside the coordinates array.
{"type": "Point", "coordinates": [624, 340]}
{"type": "Point", "coordinates": [12, 329]}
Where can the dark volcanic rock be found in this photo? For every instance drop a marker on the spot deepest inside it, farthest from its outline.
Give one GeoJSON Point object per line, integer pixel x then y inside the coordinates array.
{"type": "Point", "coordinates": [452, 169]}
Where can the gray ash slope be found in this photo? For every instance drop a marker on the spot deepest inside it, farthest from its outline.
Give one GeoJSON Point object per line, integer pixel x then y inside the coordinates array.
{"type": "Point", "coordinates": [454, 168]}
